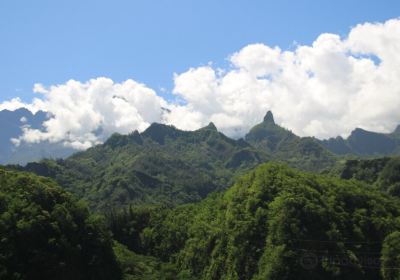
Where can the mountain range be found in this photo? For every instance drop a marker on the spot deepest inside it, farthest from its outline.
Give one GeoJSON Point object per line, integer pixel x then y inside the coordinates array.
{"type": "Point", "coordinates": [161, 165]}
{"type": "Point", "coordinates": [278, 142]}
{"type": "Point", "coordinates": [165, 165]}
{"type": "Point", "coordinates": [197, 205]}
{"type": "Point", "coordinates": [365, 143]}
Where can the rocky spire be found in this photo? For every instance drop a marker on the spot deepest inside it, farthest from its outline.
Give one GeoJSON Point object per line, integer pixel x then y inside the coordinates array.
{"type": "Point", "coordinates": [269, 118]}
{"type": "Point", "coordinates": [211, 126]}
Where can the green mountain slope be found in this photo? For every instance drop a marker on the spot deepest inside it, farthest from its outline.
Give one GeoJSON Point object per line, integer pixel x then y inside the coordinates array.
{"type": "Point", "coordinates": [275, 223]}
{"type": "Point", "coordinates": [305, 153]}
{"type": "Point", "coordinates": [46, 234]}
{"type": "Point", "coordinates": [383, 173]}
{"type": "Point", "coordinates": [161, 165]}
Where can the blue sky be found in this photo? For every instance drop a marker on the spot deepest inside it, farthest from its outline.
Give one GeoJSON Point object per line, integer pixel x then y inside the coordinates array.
{"type": "Point", "coordinates": [50, 42]}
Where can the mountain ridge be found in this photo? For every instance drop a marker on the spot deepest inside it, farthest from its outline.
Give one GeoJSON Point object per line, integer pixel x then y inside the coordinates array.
{"type": "Point", "coordinates": [359, 143]}
{"type": "Point", "coordinates": [362, 142]}
{"type": "Point", "coordinates": [160, 165]}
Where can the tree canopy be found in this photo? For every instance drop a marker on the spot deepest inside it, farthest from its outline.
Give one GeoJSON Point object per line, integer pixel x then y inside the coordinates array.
{"type": "Point", "coordinates": [45, 233]}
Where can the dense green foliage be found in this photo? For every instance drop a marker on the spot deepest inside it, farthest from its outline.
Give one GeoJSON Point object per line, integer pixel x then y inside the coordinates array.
{"type": "Point", "coordinates": [274, 223]}
{"type": "Point", "coordinates": [46, 234]}
{"type": "Point", "coordinates": [161, 165]}
{"type": "Point", "coordinates": [283, 145]}
{"type": "Point", "coordinates": [140, 267]}
{"type": "Point", "coordinates": [391, 256]}
{"type": "Point", "coordinates": [383, 173]}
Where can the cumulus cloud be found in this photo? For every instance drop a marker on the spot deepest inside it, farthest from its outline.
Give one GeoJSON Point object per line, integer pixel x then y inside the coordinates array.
{"type": "Point", "coordinates": [84, 114]}
{"type": "Point", "coordinates": [324, 89]}
{"type": "Point", "coordinates": [16, 103]}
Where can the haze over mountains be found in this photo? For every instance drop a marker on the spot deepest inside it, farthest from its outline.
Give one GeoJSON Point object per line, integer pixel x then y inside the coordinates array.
{"type": "Point", "coordinates": [365, 143]}
{"type": "Point", "coordinates": [12, 124]}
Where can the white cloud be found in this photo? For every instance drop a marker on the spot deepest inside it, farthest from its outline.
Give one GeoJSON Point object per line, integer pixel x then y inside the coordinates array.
{"type": "Point", "coordinates": [16, 103]}
{"type": "Point", "coordinates": [84, 114]}
{"type": "Point", "coordinates": [324, 89]}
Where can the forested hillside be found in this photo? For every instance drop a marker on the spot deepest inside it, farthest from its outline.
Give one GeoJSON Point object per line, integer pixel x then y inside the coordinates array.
{"type": "Point", "coordinates": [382, 173]}
{"type": "Point", "coordinates": [45, 233]}
{"type": "Point", "coordinates": [162, 165]}
{"type": "Point", "coordinates": [165, 165]}
{"type": "Point", "coordinates": [274, 223]}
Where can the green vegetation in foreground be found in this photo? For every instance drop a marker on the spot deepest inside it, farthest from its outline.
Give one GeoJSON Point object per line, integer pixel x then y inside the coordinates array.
{"type": "Point", "coordinates": [268, 225]}
{"type": "Point", "coordinates": [46, 234]}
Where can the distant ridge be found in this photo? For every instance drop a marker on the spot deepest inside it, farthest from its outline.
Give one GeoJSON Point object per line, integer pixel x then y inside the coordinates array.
{"type": "Point", "coordinates": [267, 136]}
{"type": "Point", "coordinates": [11, 123]}
{"type": "Point", "coordinates": [365, 143]}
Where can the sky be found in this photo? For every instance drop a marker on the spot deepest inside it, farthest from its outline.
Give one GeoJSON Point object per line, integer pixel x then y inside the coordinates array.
{"type": "Point", "coordinates": [152, 57]}
{"type": "Point", "coordinates": [50, 42]}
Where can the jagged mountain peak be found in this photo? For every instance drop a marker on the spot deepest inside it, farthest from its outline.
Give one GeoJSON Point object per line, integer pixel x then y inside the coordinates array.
{"type": "Point", "coordinates": [159, 132]}
{"type": "Point", "coordinates": [269, 118]}
{"type": "Point", "coordinates": [211, 126]}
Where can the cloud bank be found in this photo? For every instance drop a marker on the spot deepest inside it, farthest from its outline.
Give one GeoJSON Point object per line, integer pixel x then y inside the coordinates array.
{"type": "Point", "coordinates": [85, 114]}
{"type": "Point", "coordinates": [324, 89]}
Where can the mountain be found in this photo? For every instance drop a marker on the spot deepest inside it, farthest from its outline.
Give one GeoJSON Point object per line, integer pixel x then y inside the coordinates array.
{"type": "Point", "coordinates": [283, 145]}
{"type": "Point", "coordinates": [161, 165]}
{"type": "Point", "coordinates": [11, 123]}
{"type": "Point", "coordinates": [274, 223]}
{"type": "Point", "coordinates": [365, 143]}
{"type": "Point", "coordinates": [192, 205]}
{"type": "Point", "coordinates": [312, 154]}
{"type": "Point", "coordinates": [307, 153]}
{"type": "Point", "coordinates": [170, 166]}
{"type": "Point", "coordinates": [47, 234]}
